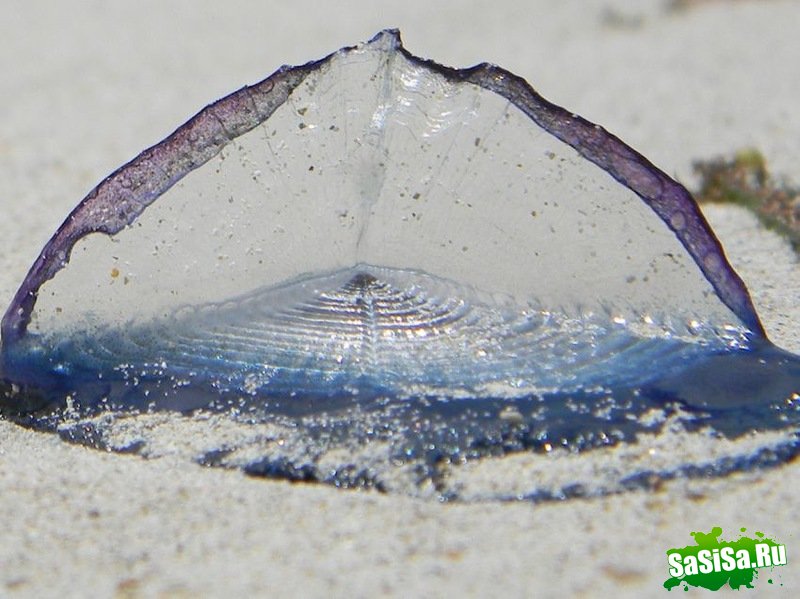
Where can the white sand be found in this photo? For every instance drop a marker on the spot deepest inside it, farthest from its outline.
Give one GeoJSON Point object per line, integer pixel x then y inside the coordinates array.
{"type": "Point", "coordinates": [86, 86]}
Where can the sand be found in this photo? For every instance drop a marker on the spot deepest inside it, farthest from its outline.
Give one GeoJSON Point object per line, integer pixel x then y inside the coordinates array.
{"type": "Point", "coordinates": [86, 86]}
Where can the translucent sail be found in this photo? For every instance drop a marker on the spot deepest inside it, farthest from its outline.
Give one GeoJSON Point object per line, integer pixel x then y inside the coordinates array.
{"type": "Point", "coordinates": [375, 225]}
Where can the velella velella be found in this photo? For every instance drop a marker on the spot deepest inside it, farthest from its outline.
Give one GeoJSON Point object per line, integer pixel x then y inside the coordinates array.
{"type": "Point", "coordinates": [375, 270]}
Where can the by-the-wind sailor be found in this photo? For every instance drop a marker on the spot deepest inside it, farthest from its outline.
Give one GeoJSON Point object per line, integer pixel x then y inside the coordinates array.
{"type": "Point", "coordinates": [375, 270]}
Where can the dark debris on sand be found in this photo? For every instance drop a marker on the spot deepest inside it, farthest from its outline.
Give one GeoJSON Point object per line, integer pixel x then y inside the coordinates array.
{"type": "Point", "coordinates": [745, 180]}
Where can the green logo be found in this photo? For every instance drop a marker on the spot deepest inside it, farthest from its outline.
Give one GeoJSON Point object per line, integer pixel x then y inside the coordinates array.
{"type": "Point", "coordinates": [712, 563]}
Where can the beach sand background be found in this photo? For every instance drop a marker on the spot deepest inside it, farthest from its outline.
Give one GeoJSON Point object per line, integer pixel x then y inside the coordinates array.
{"type": "Point", "coordinates": [87, 85]}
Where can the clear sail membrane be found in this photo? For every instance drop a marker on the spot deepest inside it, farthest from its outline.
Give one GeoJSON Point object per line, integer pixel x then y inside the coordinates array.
{"type": "Point", "coordinates": [377, 159]}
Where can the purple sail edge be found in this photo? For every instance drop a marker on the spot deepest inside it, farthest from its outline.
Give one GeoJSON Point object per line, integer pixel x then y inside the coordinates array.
{"type": "Point", "coordinates": [670, 200]}
{"type": "Point", "coordinates": [122, 196]}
